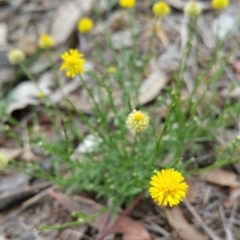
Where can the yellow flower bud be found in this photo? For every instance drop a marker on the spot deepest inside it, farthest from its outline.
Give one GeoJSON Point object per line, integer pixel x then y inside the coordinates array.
{"type": "Point", "coordinates": [16, 56]}
{"type": "Point", "coordinates": [137, 121]}
{"type": "Point", "coordinates": [127, 3]}
{"type": "Point", "coordinates": [192, 9]}
{"type": "Point", "coordinates": [111, 69]}
{"type": "Point", "coordinates": [161, 9]}
{"type": "Point", "coordinates": [85, 25]}
{"type": "Point", "coordinates": [3, 161]}
{"type": "Point", "coordinates": [45, 42]}
{"type": "Point", "coordinates": [220, 4]}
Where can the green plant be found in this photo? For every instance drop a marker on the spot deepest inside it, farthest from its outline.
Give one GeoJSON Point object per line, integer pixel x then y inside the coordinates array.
{"type": "Point", "coordinates": [121, 162]}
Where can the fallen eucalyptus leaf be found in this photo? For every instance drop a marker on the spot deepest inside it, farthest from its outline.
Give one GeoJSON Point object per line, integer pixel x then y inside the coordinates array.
{"type": "Point", "coordinates": [152, 86]}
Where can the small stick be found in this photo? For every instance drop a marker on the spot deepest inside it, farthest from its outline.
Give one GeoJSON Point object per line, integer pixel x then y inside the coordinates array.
{"type": "Point", "coordinates": [209, 231]}
{"type": "Point", "coordinates": [227, 227]}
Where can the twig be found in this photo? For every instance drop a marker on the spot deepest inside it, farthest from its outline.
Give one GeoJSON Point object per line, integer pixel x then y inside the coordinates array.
{"type": "Point", "coordinates": [228, 232]}
{"type": "Point", "coordinates": [154, 227]}
{"type": "Point", "coordinates": [209, 231]}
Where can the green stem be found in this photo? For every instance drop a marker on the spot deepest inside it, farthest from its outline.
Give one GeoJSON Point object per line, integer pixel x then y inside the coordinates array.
{"type": "Point", "coordinates": [61, 226]}
{"type": "Point", "coordinates": [197, 37]}
{"type": "Point", "coordinates": [214, 165]}
{"type": "Point", "coordinates": [156, 149]}
{"type": "Point", "coordinates": [54, 69]}
{"type": "Point", "coordinates": [28, 74]}
{"type": "Point", "coordinates": [90, 93]}
{"type": "Point", "coordinates": [186, 52]}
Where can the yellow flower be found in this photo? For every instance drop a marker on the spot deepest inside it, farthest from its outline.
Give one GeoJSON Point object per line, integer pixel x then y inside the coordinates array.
{"type": "Point", "coordinates": [220, 4]}
{"type": "Point", "coordinates": [111, 69]}
{"type": "Point", "coordinates": [3, 161]}
{"type": "Point", "coordinates": [45, 42]}
{"type": "Point", "coordinates": [85, 25]}
{"type": "Point", "coordinates": [41, 95]}
{"type": "Point", "coordinates": [137, 121]}
{"type": "Point", "coordinates": [168, 187]}
{"type": "Point", "coordinates": [127, 3]}
{"type": "Point", "coordinates": [161, 9]}
{"type": "Point", "coordinates": [73, 62]}
{"type": "Point", "coordinates": [192, 9]}
{"type": "Point", "coordinates": [16, 56]}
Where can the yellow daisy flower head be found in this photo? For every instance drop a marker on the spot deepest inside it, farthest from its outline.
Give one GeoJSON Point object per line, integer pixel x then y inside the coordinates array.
{"type": "Point", "coordinates": [220, 4]}
{"type": "Point", "coordinates": [161, 9]}
{"type": "Point", "coordinates": [45, 41]}
{"type": "Point", "coordinates": [85, 25]}
{"type": "Point", "coordinates": [111, 69]}
{"type": "Point", "coordinates": [168, 187]}
{"type": "Point", "coordinates": [3, 161]}
{"type": "Point", "coordinates": [137, 121]}
{"type": "Point", "coordinates": [73, 62]}
{"type": "Point", "coordinates": [41, 95]}
{"type": "Point", "coordinates": [193, 9]}
{"type": "Point", "coordinates": [127, 3]}
{"type": "Point", "coordinates": [16, 56]}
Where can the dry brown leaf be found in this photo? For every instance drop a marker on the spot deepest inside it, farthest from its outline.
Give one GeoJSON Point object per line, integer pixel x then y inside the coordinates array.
{"type": "Point", "coordinates": [235, 93]}
{"type": "Point", "coordinates": [162, 36]}
{"type": "Point", "coordinates": [3, 34]}
{"type": "Point", "coordinates": [23, 95]}
{"type": "Point", "coordinates": [221, 177]}
{"type": "Point", "coordinates": [193, 189]}
{"type": "Point", "coordinates": [73, 234]}
{"type": "Point", "coordinates": [234, 195]}
{"type": "Point", "coordinates": [131, 229]}
{"type": "Point", "coordinates": [181, 226]}
{"type": "Point", "coordinates": [65, 201]}
{"type": "Point", "coordinates": [27, 45]}
{"type": "Point", "coordinates": [26, 93]}
{"type": "Point", "coordinates": [169, 60]}
{"type": "Point", "coordinates": [236, 66]}
{"type": "Point", "coordinates": [15, 196]}
{"type": "Point", "coordinates": [13, 182]}
{"type": "Point", "coordinates": [236, 165]}
{"type": "Point", "coordinates": [11, 153]}
{"type": "Point", "coordinates": [7, 74]}
{"type": "Point", "coordinates": [151, 87]}
{"type": "Point", "coordinates": [206, 31]}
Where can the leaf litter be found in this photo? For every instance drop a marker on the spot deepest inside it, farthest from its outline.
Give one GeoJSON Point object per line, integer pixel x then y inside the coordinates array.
{"type": "Point", "coordinates": [206, 199]}
{"type": "Point", "coordinates": [131, 230]}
